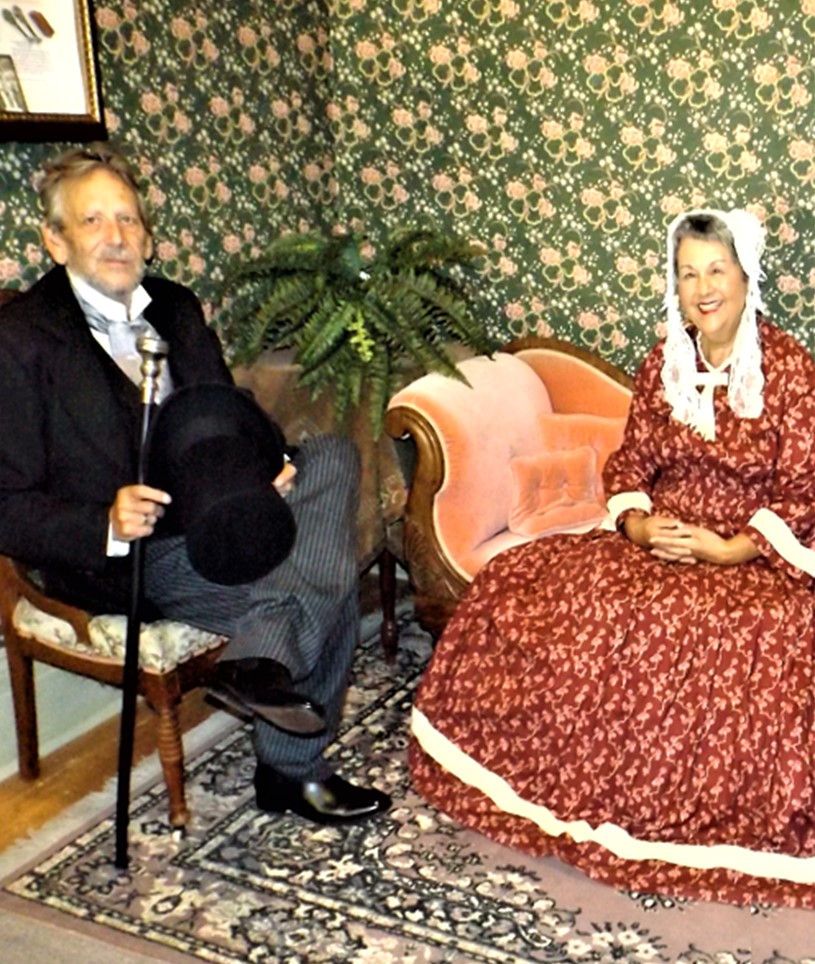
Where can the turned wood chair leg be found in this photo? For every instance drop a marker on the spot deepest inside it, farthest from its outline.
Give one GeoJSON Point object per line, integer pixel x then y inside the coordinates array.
{"type": "Point", "coordinates": [21, 674]}
{"type": "Point", "coordinates": [171, 755]}
{"type": "Point", "coordinates": [389, 633]}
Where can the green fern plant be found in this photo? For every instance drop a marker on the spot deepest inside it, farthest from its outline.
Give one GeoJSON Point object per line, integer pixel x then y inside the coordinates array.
{"type": "Point", "coordinates": [361, 324]}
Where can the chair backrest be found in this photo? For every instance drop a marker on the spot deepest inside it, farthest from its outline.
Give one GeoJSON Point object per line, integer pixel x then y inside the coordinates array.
{"type": "Point", "coordinates": [578, 381]}
{"type": "Point", "coordinates": [15, 585]}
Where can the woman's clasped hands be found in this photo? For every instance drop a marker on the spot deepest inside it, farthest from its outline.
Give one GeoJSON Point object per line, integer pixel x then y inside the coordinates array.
{"type": "Point", "coordinates": [672, 540]}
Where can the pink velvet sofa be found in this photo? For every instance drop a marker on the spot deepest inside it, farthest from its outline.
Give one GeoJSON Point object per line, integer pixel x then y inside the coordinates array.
{"type": "Point", "coordinates": [514, 454]}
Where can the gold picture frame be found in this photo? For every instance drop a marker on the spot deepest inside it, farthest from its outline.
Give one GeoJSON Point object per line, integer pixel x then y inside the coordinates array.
{"type": "Point", "coordinates": [49, 73]}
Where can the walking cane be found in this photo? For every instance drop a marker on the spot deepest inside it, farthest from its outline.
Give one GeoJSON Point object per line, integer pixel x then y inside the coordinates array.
{"type": "Point", "coordinates": [152, 351]}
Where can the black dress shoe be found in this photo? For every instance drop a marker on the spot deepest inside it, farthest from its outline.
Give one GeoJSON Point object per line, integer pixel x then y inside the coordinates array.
{"type": "Point", "coordinates": [264, 688]}
{"type": "Point", "coordinates": [329, 801]}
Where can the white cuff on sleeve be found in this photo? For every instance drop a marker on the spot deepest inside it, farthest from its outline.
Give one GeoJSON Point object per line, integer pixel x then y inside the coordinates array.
{"type": "Point", "coordinates": [783, 540]}
{"type": "Point", "coordinates": [116, 547]}
{"type": "Point", "coordinates": [624, 501]}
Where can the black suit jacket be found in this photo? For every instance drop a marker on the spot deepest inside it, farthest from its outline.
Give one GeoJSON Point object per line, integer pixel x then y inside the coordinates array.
{"type": "Point", "coordinates": [69, 429]}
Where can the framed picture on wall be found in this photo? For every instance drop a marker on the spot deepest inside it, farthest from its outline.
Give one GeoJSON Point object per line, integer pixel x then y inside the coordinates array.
{"type": "Point", "coordinates": [12, 99]}
{"type": "Point", "coordinates": [49, 74]}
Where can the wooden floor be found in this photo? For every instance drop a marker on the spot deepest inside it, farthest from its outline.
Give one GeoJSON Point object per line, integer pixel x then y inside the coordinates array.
{"type": "Point", "coordinates": [81, 767]}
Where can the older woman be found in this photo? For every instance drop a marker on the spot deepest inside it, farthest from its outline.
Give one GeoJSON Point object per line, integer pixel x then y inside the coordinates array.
{"type": "Point", "coordinates": [640, 702]}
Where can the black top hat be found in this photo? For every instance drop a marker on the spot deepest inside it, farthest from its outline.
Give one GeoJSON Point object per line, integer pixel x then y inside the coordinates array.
{"type": "Point", "coordinates": [216, 453]}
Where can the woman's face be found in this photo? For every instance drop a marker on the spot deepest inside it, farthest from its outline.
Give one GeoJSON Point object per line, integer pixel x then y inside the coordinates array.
{"type": "Point", "coordinates": [712, 291]}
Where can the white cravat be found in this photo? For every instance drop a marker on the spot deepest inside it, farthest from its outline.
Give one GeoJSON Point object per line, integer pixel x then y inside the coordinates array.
{"type": "Point", "coordinates": [117, 329]}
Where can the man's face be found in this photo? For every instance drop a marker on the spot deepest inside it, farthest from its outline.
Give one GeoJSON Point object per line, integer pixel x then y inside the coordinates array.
{"type": "Point", "coordinates": [103, 239]}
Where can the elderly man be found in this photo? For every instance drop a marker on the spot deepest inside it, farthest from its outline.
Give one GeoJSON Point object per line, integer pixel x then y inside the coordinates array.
{"type": "Point", "coordinates": [69, 504]}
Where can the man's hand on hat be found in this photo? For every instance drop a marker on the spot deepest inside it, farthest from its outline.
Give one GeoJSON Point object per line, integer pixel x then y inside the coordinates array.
{"type": "Point", "coordinates": [284, 483]}
{"type": "Point", "coordinates": [136, 510]}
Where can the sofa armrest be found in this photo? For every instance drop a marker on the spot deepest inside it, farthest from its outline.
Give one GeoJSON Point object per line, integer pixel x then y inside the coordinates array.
{"type": "Point", "coordinates": [464, 434]}
{"type": "Point", "coordinates": [436, 583]}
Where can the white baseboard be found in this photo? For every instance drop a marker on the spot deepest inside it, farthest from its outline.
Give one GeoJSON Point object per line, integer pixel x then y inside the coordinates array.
{"type": "Point", "coordinates": [67, 706]}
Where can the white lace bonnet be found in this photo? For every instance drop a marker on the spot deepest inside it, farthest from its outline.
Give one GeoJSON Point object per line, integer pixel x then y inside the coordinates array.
{"type": "Point", "coordinates": [680, 377]}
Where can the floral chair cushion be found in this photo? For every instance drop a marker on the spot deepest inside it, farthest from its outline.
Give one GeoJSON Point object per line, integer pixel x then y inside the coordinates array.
{"type": "Point", "coordinates": [162, 644]}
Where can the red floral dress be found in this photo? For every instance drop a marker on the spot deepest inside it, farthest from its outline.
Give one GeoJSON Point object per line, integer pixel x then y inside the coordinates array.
{"type": "Point", "coordinates": [650, 722]}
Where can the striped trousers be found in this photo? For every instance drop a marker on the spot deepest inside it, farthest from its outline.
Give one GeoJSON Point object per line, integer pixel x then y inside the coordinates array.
{"type": "Point", "coordinates": [304, 613]}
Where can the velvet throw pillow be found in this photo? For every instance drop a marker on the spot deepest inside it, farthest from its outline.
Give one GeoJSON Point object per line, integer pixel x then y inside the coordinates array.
{"type": "Point", "coordinates": [554, 491]}
{"type": "Point", "coordinates": [561, 488]}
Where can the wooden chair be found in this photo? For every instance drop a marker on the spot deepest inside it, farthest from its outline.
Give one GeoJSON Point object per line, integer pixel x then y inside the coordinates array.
{"type": "Point", "coordinates": [174, 660]}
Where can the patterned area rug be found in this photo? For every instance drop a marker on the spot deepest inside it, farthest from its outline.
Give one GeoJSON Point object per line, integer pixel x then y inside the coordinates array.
{"type": "Point", "coordinates": [411, 886]}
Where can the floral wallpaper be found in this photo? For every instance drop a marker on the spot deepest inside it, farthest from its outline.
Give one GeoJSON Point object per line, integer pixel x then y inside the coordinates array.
{"type": "Point", "coordinates": [564, 135]}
